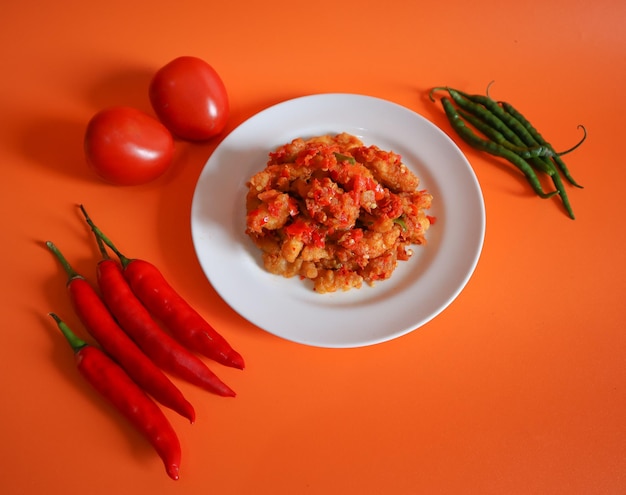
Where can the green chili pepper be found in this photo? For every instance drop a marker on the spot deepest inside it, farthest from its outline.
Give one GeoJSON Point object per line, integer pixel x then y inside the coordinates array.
{"type": "Point", "coordinates": [556, 178]}
{"type": "Point", "coordinates": [493, 118]}
{"type": "Point", "coordinates": [401, 222]}
{"type": "Point", "coordinates": [471, 138]}
{"type": "Point", "coordinates": [537, 155]}
{"type": "Point", "coordinates": [543, 164]}
{"type": "Point", "coordinates": [498, 137]}
{"type": "Point", "coordinates": [522, 137]}
{"type": "Point", "coordinates": [509, 124]}
{"type": "Point", "coordinates": [538, 138]}
{"type": "Point", "coordinates": [546, 165]}
{"type": "Point", "coordinates": [341, 158]}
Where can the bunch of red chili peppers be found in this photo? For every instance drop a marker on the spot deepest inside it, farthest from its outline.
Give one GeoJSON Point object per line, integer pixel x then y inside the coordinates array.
{"type": "Point", "coordinates": [498, 128]}
{"type": "Point", "coordinates": [143, 329]}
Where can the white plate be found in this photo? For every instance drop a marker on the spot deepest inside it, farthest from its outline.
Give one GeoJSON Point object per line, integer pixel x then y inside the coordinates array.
{"type": "Point", "coordinates": [417, 291]}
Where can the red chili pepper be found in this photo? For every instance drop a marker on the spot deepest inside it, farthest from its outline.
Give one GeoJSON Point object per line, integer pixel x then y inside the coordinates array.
{"type": "Point", "coordinates": [114, 384]}
{"type": "Point", "coordinates": [96, 317]}
{"type": "Point", "coordinates": [135, 319]}
{"type": "Point", "coordinates": [160, 298]}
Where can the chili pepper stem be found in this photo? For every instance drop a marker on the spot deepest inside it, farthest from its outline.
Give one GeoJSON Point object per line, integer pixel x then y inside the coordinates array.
{"type": "Point", "coordinates": [582, 140]}
{"type": "Point", "coordinates": [100, 235]}
{"type": "Point", "coordinates": [434, 90]}
{"type": "Point", "coordinates": [75, 342]}
{"type": "Point", "coordinates": [102, 247]}
{"type": "Point", "coordinates": [72, 274]}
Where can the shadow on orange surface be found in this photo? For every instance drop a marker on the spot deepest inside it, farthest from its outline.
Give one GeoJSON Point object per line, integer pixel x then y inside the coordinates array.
{"type": "Point", "coordinates": [126, 87]}
{"type": "Point", "coordinates": [56, 143]}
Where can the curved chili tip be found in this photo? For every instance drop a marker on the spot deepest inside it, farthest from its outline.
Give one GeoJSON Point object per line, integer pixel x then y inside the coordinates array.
{"type": "Point", "coordinates": [580, 126]}
{"type": "Point", "coordinates": [173, 471]}
{"type": "Point", "coordinates": [235, 360]}
{"type": "Point", "coordinates": [435, 89]}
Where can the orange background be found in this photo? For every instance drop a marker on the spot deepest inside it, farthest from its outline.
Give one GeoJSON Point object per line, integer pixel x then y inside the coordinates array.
{"type": "Point", "coordinates": [517, 388]}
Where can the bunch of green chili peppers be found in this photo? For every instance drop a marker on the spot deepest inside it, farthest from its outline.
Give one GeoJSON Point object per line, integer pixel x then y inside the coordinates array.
{"type": "Point", "coordinates": [508, 134]}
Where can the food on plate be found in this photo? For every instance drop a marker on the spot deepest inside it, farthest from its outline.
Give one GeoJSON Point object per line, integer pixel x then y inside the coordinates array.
{"type": "Point", "coordinates": [127, 147]}
{"type": "Point", "coordinates": [334, 211]}
{"type": "Point", "coordinates": [190, 98]}
{"type": "Point", "coordinates": [504, 132]}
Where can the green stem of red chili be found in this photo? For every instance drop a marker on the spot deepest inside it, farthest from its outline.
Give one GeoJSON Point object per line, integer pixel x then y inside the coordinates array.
{"type": "Point", "coordinates": [71, 273]}
{"type": "Point", "coordinates": [75, 342]}
{"type": "Point", "coordinates": [100, 235]}
{"type": "Point", "coordinates": [102, 248]}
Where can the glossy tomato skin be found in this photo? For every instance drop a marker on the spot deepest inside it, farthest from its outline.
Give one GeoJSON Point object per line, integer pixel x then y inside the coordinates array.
{"type": "Point", "coordinates": [190, 98]}
{"type": "Point", "coordinates": [128, 147]}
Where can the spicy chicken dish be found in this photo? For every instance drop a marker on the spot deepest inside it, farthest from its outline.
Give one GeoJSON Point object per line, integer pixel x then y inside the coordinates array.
{"type": "Point", "coordinates": [335, 212]}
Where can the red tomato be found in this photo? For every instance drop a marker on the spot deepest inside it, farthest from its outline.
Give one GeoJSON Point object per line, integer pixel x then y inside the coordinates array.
{"type": "Point", "coordinates": [190, 99]}
{"type": "Point", "coordinates": [127, 147]}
